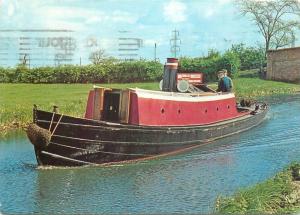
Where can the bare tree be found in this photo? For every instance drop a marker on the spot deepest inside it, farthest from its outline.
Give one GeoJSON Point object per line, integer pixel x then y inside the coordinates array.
{"type": "Point", "coordinates": [97, 57]}
{"type": "Point", "coordinates": [276, 19]}
{"type": "Point", "coordinates": [282, 39]}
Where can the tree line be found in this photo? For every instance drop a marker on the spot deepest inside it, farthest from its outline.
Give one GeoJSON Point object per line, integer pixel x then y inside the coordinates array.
{"type": "Point", "coordinates": [112, 70]}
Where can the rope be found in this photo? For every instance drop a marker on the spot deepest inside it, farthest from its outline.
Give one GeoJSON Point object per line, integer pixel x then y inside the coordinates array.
{"type": "Point", "coordinates": [56, 125]}
{"type": "Point", "coordinates": [51, 121]}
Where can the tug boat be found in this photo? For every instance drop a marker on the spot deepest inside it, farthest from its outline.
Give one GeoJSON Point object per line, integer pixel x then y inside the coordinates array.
{"type": "Point", "coordinates": [131, 125]}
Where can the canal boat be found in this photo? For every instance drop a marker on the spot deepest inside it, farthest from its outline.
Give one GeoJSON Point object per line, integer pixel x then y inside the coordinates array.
{"type": "Point", "coordinates": [129, 125]}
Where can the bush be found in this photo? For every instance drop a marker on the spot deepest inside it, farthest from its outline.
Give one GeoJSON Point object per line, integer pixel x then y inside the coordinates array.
{"type": "Point", "coordinates": [136, 71]}
{"type": "Point", "coordinates": [250, 57]}
{"type": "Point", "coordinates": [3, 75]}
{"type": "Point", "coordinates": [212, 63]}
{"type": "Point", "coordinates": [230, 61]}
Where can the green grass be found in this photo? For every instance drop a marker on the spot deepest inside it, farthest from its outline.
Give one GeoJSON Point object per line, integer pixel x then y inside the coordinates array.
{"type": "Point", "coordinates": [255, 87]}
{"type": "Point", "coordinates": [16, 100]}
{"type": "Point", "coordinates": [278, 195]}
{"type": "Point", "coordinates": [249, 85]}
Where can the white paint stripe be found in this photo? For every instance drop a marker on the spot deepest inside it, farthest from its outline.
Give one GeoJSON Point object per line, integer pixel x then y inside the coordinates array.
{"type": "Point", "coordinates": [172, 64]}
{"type": "Point", "coordinates": [186, 97]}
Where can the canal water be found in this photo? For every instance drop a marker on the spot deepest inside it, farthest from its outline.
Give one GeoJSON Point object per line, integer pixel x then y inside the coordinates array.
{"type": "Point", "coordinates": [185, 183]}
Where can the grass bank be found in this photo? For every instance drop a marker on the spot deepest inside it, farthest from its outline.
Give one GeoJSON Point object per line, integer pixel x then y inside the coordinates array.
{"type": "Point", "coordinates": [16, 100]}
{"type": "Point", "coordinates": [278, 195]}
{"type": "Point", "coordinates": [255, 87]}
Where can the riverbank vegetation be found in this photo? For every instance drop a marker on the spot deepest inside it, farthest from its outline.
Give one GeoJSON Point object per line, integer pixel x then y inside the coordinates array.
{"type": "Point", "coordinates": [278, 195]}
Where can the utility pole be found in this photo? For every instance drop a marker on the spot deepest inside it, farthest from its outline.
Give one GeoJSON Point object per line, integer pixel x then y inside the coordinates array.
{"type": "Point", "coordinates": [155, 52]}
{"type": "Point", "coordinates": [29, 61]}
{"type": "Point", "coordinates": [175, 43]}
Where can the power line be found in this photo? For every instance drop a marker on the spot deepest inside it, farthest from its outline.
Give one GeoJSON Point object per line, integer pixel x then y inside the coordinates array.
{"type": "Point", "coordinates": [175, 43]}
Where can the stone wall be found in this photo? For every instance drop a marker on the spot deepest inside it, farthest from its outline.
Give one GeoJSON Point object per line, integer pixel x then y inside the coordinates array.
{"type": "Point", "coordinates": [284, 65]}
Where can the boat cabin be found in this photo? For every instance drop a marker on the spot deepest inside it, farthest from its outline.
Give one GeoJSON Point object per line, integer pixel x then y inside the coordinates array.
{"type": "Point", "coordinates": [184, 100]}
{"type": "Point", "coordinates": [155, 108]}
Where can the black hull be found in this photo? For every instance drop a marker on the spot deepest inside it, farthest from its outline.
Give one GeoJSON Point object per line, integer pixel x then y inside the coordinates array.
{"type": "Point", "coordinates": [77, 141]}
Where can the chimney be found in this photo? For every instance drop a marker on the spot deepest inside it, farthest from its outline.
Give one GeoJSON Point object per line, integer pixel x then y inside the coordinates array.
{"type": "Point", "coordinates": [170, 72]}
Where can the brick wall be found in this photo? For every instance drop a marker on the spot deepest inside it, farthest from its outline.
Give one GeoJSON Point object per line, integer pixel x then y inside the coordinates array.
{"type": "Point", "coordinates": [284, 65]}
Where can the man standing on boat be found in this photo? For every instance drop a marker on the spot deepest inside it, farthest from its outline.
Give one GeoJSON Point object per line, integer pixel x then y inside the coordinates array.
{"type": "Point", "coordinates": [226, 75]}
{"type": "Point", "coordinates": [225, 83]}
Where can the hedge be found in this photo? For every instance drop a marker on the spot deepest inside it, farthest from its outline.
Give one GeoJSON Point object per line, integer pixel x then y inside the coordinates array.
{"type": "Point", "coordinates": [112, 70]}
{"type": "Point", "coordinates": [109, 71]}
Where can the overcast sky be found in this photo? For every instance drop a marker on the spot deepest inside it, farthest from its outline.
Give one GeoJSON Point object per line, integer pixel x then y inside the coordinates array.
{"type": "Point", "coordinates": [202, 24]}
